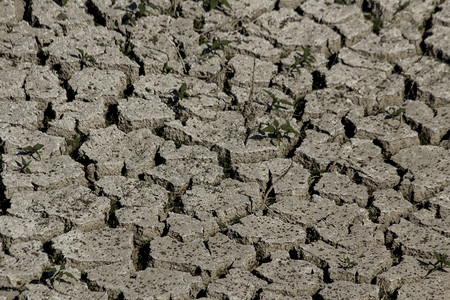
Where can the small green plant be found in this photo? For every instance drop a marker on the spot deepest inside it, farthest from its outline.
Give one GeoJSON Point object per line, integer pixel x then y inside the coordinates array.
{"type": "Point", "coordinates": [24, 166]}
{"type": "Point", "coordinates": [396, 112]}
{"type": "Point", "coordinates": [181, 92]}
{"type": "Point", "coordinates": [219, 44]}
{"type": "Point", "coordinates": [212, 4]}
{"type": "Point", "coordinates": [64, 2]}
{"type": "Point", "coordinates": [346, 263]}
{"type": "Point", "coordinates": [34, 150]}
{"type": "Point", "coordinates": [341, 2]}
{"type": "Point", "coordinates": [85, 58]}
{"type": "Point", "coordinates": [303, 60]}
{"type": "Point", "coordinates": [52, 274]}
{"type": "Point", "coordinates": [377, 23]}
{"type": "Point", "coordinates": [276, 102]}
{"type": "Point", "coordinates": [441, 261]}
{"type": "Point", "coordinates": [167, 69]}
{"type": "Point", "coordinates": [280, 131]}
{"type": "Point", "coordinates": [402, 7]}
{"type": "Point", "coordinates": [142, 11]}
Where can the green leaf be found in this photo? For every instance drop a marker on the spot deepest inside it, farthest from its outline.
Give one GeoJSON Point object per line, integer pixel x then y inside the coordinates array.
{"type": "Point", "coordinates": [39, 155]}
{"type": "Point", "coordinates": [28, 149]}
{"type": "Point", "coordinates": [64, 2]}
{"type": "Point", "coordinates": [213, 4]}
{"type": "Point", "coordinates": [225, 2]}
{"type": "Point", "coordinates": [278, 139]}
{"type": "Point", "coordinates": [38, 147]}
{"type": "Point", "coordinates": [269, 129]}
{"type": "Point", "coordinates": [274, 99]}
{"type": "Point", "coordinates": [225, 42]}
{"type": "Point", "coordinates": [63, 266]}
{"type": "Point", "coordinates": [81, 51]}
{"type": "Point", "coordinates": [69, 274]}
{"type": "Point", "coordinates": [27, 170]}
{"type": "Point", "coordinates": [287, 102]}
{"type": "Point", "coordinates": [91, 58]}
{"type": "Point", "coordinates": [141, 8]}
{"type": "Point", "coordinates": [216, 45]}
{"type": "Point", "coordinates": [152, 5]}
{"type": "Point", "coordinates": [275, 123]}
{"type": "Point", "coordinates": [183, 87]}
{"type": "Point", "coordinates": [50, 270]}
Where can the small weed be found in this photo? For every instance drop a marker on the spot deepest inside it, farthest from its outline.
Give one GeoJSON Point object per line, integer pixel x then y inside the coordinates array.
{"type": "Point", "coordinates": [441, 260]}
{"type": "Point", "coordinates": [212, 4]}
{"type": "Point", "coordinates": [280, 130]}
{"type": "Point", "coordinates": [181, 92]}
{"type": "Point", "coordinates": [402, 7]}
{"type": "Point", "coordinates": [377, 23]}
{"type": "Point", "coordinates": [73, 144]}
{"type": "Point", "coordinates": [142, 11]}
{"type": "Point", "coordinates": [198, 24]}
{"type": "Point", "coordinates": [396, 112]}
{"type": "Point", "coordinates": [34, 150]}
{"type": "Point", "coordinates": [52, 274]}
{"type": "Point", "coordinates": [24, 166]}
{"type": "Point", "coordinates": [202, 40]}
{"type": "Point", "coordinates": [276, 102]}
{"type": "Point", "coordinates": [303, 60]}
{"type": "Point", "coordinates": [85, 58]}
{"type": "Point", "coordinates": [341, 2]}
{"type": "Point", "coordinates": [64, 2]}
{"type": "Point", "coordinates": [219, 44]}
{"type": "Point", "coordinates": [167, 69]}
{"type": "Point", "coordinates": [346, 263]}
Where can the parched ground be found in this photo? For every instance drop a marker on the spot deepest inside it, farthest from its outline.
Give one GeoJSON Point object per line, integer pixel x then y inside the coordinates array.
{"type": "Point", "coordinates": [283, 149]}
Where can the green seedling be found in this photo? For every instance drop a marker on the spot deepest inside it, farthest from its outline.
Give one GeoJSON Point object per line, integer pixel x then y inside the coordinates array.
{"type": "Point", "coordinates": [64, 2]}
{"type": "Point", "coordinates": [182, 91]}
{"type": "Point", "coordinates": [303, 60]}
{"type": "Point", "coordinates": [219, 44]}
{"type": "Point", "coordinates": [393, 112]}
{"type": "Point", "coordinates": [142, 11]}
{"type": "Point", "coordinates": [52, 274]}
{"type": "Point", "coordinates": [214, 3]}
{"type": "Point", "coordinates": [167, 69]}
{"type": "Point", "coordinates": [280, 130]}
{"type": "Point", "coordinates": [276, 102]}
{"type": "Point", "coordinates": [24, 166]}
{"type": "Point", "coordinates": [402, 7]}
{"type": "Point", "coordinates": [441, 261]}
{"type": "Point", "coordinates": [34, 149]}
{"type": "Point", "coordinates": [346, 263]}
{"type": "Point", "coordinates": [377, 23]}
{"type": "Point", "coordinates": [85, 58]}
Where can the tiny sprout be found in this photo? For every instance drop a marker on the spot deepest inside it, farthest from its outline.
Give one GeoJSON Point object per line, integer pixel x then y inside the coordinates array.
{"type": "Point", "coordinates": [84, 57]}
{"type": "Point", "coordinates": [167, 69]}
{"type": "Point", "coordinates": [52, 274]}
{"type": "Point", "coordinates": [276, 102]}
{"type": "Point", "coordinates": [34, 149]}
{"type": "Point", "coordinates": [441, 260]}
{"type": "Point", "coordinates": [276, 130]}
{"type": "Point", "coordinates": [182, 91]}
{"type": "Point", "coordinates": [64, 2]}
{"type": "Point", "coordinates": [347, 263]}
{"type": "Point", "coordinates": [303, 60]}
{"type": "Point", "coordinates": [393, 112]}
{"type": "Point", "coordinates": [214, 3]}
{"type": "Point", "coordinates": [24, 166]}
{"type": "Point", "coordinates": [219, 44]}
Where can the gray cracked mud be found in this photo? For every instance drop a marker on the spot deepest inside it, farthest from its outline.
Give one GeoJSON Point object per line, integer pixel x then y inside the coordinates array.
{"type": "Point", "coordinates": [271, 150]}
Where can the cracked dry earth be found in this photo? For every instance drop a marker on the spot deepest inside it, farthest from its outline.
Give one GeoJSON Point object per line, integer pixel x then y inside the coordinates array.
{"type": "Point", "coordinates": [143, 191]}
